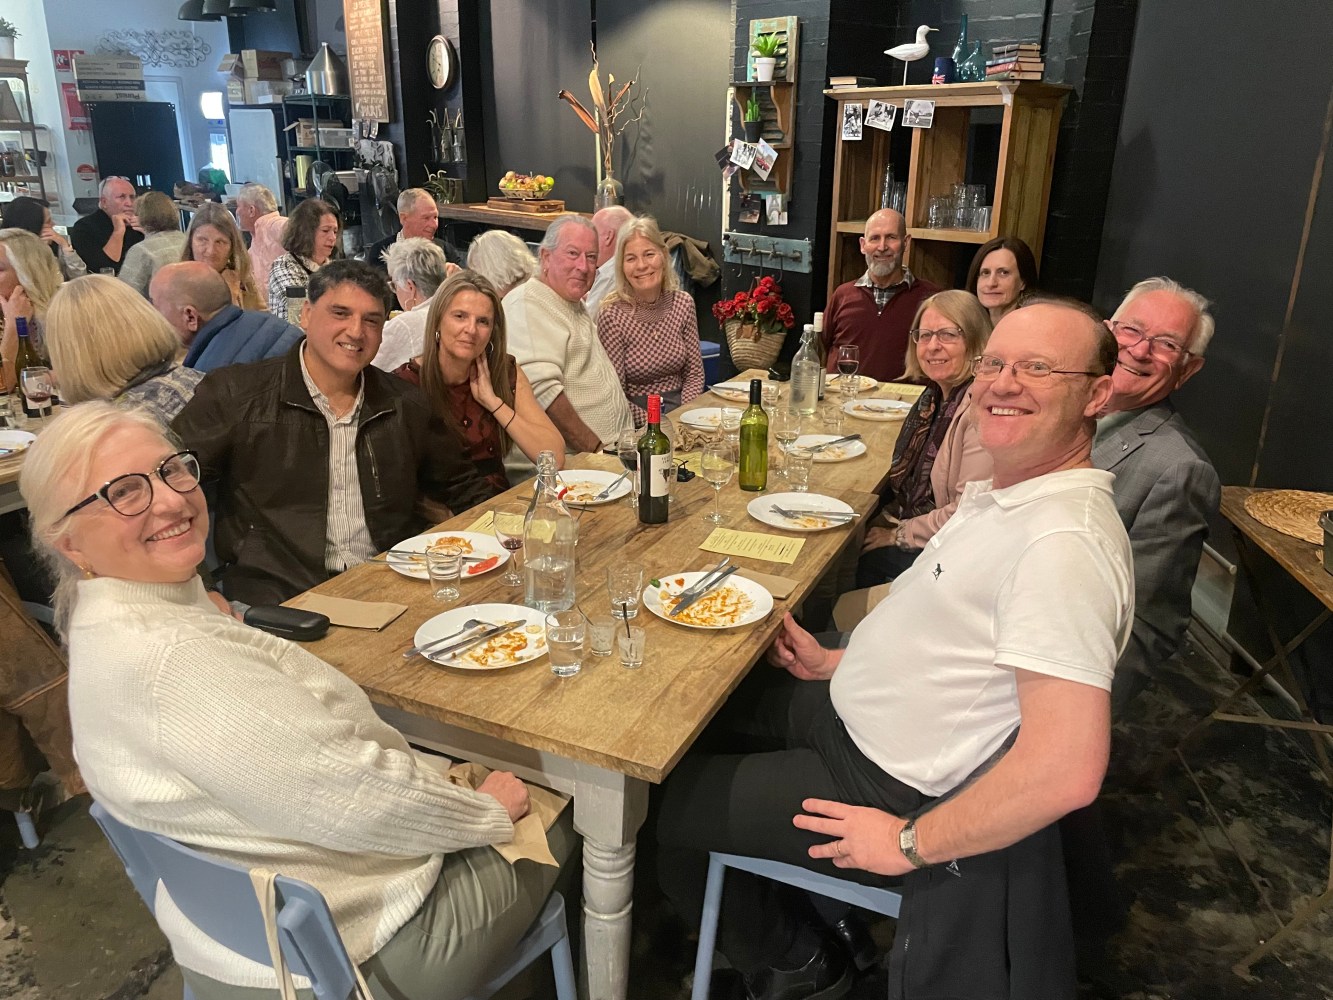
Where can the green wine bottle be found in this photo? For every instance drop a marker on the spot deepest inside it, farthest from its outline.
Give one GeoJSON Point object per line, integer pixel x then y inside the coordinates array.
{"type": "Point", "coordinates": [36, 396]}
{"type": "Point", "coordinates": [754, 441]}
{"type": "Point", "coordinates": [654, 466]}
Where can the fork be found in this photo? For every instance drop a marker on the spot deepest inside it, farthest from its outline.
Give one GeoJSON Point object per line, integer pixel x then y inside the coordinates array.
{"type": "Point", "coordinates": [832, 515]}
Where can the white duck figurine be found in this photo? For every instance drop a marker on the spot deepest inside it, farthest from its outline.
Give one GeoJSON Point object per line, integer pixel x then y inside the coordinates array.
{"type": "Point", "coordinates": [910, 52]}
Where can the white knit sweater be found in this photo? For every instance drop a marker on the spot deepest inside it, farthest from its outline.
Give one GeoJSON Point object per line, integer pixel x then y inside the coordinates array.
{"type": "Point", "coordinates": [189, 724]}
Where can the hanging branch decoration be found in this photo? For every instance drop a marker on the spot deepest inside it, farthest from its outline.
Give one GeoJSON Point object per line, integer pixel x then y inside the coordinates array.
{"type": "Point", "coordinates": [608, 118]}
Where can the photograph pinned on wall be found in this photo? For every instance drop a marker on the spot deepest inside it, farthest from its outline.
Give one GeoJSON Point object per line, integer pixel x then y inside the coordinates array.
{"type": "Point", "coordinates": [764, 158]}
{"type": "Point", "coordinates": [775, 209]}
{"type": "Point", "coordinates": [723, 157]}
{"type": "Point", "coordinates": [881, 114]}
{"type": "Point", "coordinates": [742, 154]}
{"type": "Point", "coordinates": [918, 114]}
{"type": "Point", "coordinates": [851, 121]}
{"type": "Point", "coordinates": [750, 208]}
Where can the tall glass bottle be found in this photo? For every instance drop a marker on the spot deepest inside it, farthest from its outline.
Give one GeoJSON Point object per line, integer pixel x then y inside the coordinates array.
{"type": "Point", "coordinates": [960, 51]}
{"type": "Point", "coordinates": [754, 441]}
{"type": "Point", "coordinates": [549, 536]}
{"type": "Point", "coordinates": [27, 357]}
{"type": "Point", "coordinates": [805, 372]}
{"type": "Point", "coordinates": [656, 463]}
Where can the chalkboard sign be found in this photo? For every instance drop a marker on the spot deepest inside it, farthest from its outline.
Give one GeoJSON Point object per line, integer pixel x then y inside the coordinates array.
{"type": "Point", "coordinates": [366, 70]}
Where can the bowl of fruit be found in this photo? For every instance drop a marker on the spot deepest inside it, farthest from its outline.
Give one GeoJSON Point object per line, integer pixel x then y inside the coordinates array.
{"type": "Point", "coordinates": [526, 187]}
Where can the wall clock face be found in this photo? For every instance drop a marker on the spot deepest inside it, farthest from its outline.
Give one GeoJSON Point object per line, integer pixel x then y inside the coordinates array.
{"type": "Point", "coordinates": [441, 62]}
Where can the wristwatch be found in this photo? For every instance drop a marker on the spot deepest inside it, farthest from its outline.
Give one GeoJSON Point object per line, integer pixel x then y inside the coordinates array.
{"type": "Point", "coordinates": [907, 844]}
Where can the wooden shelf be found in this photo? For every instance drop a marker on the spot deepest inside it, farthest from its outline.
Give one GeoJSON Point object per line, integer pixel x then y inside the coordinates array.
{"type": "Point", "coordinates": [974, 236]}
{"type": "Point", "coordinates": [781, 97]}
{"type": "Point", "coordinates": [322, 149]}
{"type": "Point", "coordinates": [19, 179]}
{"type": "Point", "coordinates": [17, 70]}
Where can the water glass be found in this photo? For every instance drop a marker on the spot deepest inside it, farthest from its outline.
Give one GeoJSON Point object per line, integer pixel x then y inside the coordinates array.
{"type": "Point", "coordinates": [565, 633]}
{"type": "Point", "coordinates": [624, 582]}
{"type": "Point", "coordinates": [630, 642]}
{"type": "Point", "coordinates": [772, 397]}
{"type": "Point", "coordinates": [445, 568]}
{"type": "Point", "coordinates": [602, 634]}
{"type": "Point", "coordinates": [798, 469]}
{"type": "Point", "coordinates": [730, 423]}
{"type": "Point", "coordinates": [831, 416]}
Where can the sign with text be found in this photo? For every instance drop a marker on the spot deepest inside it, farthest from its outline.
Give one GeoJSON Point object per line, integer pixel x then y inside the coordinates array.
{"type": "Point", "coordinates": [366, 67]}
{"type": "Point", "coordinates": [109, 78]}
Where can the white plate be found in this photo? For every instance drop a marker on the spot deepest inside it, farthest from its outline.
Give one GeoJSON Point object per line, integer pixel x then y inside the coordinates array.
{"type": "Point", "coordinates": [708, 418]}
{"type": "Point", "coordinates": [592, 481]}
{"type": "Point", "coordinates": [496, 614]}
{"type": "Point", "coordinates": [13, 442]}
{"type": "Point", "coordinates": [736, 391]}
{"type": "Point", "coordinates": [838, 453]}
{"type": "Point", "coordinates": [760, 600]}
{"type": "Point", "coordinates": [482, 545]}
{"type": "Point", "coordinates": [761, 509]}
{"type": "Point", "coordinates": [864, 383]}
{"type": "Point", "coordinates": [876, 409]}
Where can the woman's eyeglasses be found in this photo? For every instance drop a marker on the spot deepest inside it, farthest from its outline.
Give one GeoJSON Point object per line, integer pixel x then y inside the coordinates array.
{"type": "Point", "coordinates": [132, 493]}
{"type": "Point", "coordinates": [946, 335]}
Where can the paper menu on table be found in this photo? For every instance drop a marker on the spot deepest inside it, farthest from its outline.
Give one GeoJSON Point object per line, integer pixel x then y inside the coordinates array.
{"type": "Point", "coordinates": [485, 524]}
{"type": "Point", "coordinates": [753, 545]}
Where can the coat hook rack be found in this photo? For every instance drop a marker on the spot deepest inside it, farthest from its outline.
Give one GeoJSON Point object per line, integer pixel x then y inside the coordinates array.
{"type": "Point", "coordinates": [751, 250]}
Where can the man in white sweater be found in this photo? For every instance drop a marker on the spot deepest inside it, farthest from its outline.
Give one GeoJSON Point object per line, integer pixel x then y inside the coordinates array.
{"type": "Point", "coordinates": [555, 342]}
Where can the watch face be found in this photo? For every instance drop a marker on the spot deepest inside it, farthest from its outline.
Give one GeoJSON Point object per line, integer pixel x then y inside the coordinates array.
{"type": "Point", "coordinates": [440, 62]}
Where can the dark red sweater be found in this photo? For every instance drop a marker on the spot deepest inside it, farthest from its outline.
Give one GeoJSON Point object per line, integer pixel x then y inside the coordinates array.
{"type": "Point", "coordinates": [851, 317]}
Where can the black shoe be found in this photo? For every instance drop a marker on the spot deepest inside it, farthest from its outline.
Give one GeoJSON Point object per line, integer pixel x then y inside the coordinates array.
{"type": "Point", "coordinates": [827, 976]}
{"type": "Point", "coordinates": [855, 937]}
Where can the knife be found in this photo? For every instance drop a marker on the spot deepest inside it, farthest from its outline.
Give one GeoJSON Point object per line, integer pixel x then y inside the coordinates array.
{"type": "Point", "coordinates": [716, 582]}
{"type": "Point", "coordinates": [462, 644]}
{"type": "Point", "coordinates": [841, 440]}
{"type": "Point", "coordinates": [809, 512]}
{"type": "Point", "coordinates": [409, 553]}
{"type": "Point", "coordinates": [693, 589]}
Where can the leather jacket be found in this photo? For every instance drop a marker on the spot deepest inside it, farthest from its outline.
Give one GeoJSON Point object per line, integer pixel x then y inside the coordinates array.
{"type": "Point", "coordinates": [263, 448]}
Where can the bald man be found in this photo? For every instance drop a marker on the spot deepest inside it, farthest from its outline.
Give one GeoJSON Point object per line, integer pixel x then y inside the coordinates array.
{"type": "Point", "coordinates": [607, 222]}
{"type": "Point", "coordinates": [875, 311]}
{"type": "Point", "coordinates": [197, 303]}
{"type": "Point", "coordinates": [103, 238]}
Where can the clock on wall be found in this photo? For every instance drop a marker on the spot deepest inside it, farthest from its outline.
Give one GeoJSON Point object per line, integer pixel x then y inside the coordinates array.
{"type": "Point", "coordinates": [441, 62]}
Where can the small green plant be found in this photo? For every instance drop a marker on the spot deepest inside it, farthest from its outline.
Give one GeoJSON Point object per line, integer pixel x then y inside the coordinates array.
{"type": "Point", "coordinates": [752, 113]}
{"type": "Point", "coordinates": [7, 29]}
{"type": "Point", "coordinates": [766, 46]}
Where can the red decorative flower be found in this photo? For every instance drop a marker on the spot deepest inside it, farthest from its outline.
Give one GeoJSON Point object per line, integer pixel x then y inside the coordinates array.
{"type": "Point", "coordinates": [762, 305]}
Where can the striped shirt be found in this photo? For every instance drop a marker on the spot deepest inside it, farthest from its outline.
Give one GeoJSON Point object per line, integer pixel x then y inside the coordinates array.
{"type": "Point", "coordinates": [347, 539]}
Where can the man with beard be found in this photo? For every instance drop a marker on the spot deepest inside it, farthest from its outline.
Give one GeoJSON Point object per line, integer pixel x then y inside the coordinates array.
{"type": "Point", "coordinates": [875, 311]}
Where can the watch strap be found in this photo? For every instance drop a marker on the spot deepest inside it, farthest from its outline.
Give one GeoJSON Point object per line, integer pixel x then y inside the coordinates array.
{"type": "Point", "coordinates": [907, 844]}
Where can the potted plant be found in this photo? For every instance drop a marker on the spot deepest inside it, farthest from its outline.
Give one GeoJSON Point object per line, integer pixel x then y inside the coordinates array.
{"type": "Point", "coordinates": [753, 119]}
{"type": "Point", "coordinates": [755, 323]}
{"type": "Point", "coordinates": [7, 35]}
{"type": "Point", "coordinates": [765, 49]}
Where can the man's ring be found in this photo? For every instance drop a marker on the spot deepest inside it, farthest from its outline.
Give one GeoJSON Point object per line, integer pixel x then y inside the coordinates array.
{"type": "Point", "coordinates": [837, 849]}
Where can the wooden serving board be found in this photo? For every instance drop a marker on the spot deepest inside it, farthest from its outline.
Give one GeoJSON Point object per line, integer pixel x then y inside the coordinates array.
{"type": "Point", "coordinates": [544, 206]}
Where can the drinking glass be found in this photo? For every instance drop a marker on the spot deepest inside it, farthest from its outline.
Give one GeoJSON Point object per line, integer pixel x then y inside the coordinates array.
{"type": "Point", "coordinates": [508, 523]}
{"type": "Point", "coordinates": [445, 568]}
{"type": "Point", "coordinates": [565, 634]}
{"type": "Point", "coordinates": [771, 398]}
{"type": "Point", "coordinates": [602, 634]}
{"type": "Point", "coordinates": [36, 386]}
{"type": "Point", "coordinates": [719, 464]}
{"type": "Point", "coordinates": [849, 364]}
{"type": "Point", "coordinates": [624, 582]}
{"type": "Point", "coordinates": [627, 449]}
{"type": "Point", "coordinates": [798, 469]}
{"type": "Point", "coordinates": [630, 642]}
{"type": "Point", "coordinates": [786, 427]}
{"type": "Point", "coordinates": [730, 423]}
{"type": "Point", "coordinates": [831, 416]}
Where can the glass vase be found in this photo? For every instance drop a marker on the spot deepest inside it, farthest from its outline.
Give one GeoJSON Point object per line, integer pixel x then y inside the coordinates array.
{"type": "Point", "coordinates": [609, 192]}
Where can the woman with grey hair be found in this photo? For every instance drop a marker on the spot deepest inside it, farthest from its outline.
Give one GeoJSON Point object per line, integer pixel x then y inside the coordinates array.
{"type": "Point", "coordinates": [193, 725]}
{"type": "Point", "coordinates": [501, 258]}
{"type": "Point", "coordinates": [417, 266]}
{"type": "Point", "coordinates": [162, 243]}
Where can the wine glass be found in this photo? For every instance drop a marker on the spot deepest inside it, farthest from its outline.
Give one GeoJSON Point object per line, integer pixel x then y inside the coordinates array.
{"type": "Point", "coordinates": [627, 448]}
{"type": "Point", "coordinates": [508, 522]}
{"type": "Point", "coordinates": [719, 464]}
{"type": "Point", "coordinates": [849, 364]}
{"type": "Point", "coordinates": [37, 390]}
{"type": "Point", "coordinates": [785, 424]}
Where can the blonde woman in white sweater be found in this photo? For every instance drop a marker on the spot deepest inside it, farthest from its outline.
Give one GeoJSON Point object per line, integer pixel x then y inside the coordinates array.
{"type": "Point", "coordinates": [190, 724]}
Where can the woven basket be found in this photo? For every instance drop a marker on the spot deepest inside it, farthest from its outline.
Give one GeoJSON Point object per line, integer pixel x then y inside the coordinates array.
{"type": "Point", "coordinates": [751, 349]}
{"type": "Point", "coordinates": [1292, 512]}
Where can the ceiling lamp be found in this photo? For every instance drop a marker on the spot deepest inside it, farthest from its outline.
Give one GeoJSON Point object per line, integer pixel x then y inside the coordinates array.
{"type": "Point", "coordinates": [252, 7]}
{"type": "Point", "coordinates": [193, 10]}
{"type": "Point", "coordinates": [217, 7]}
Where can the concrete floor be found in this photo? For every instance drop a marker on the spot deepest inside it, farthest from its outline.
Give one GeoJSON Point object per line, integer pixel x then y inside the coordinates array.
{"type": "Point", "coordinates": [72, 928]}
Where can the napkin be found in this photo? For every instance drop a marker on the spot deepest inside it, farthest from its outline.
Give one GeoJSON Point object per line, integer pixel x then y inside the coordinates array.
{"type": "Point", "coordinates": [353, 614]}
{"type": "Point", "coordinates": [780, 587]}
{"type": "Point", "coordinates": [544, 808]}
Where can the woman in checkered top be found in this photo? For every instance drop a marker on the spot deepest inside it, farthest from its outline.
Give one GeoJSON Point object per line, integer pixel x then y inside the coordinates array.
{"type": "Point", "coordinates": [646, 323]}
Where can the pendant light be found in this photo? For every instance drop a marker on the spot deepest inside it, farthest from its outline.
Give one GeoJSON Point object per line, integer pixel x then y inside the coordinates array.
{"type": "Point", "coordinates": [217, 7]}
{"type": "Point", "coordinates": [240, 7]}
{"type": "Point", "coordinates": [193, 10]}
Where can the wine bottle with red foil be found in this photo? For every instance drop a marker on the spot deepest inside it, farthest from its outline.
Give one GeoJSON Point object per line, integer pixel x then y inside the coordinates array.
{"type": "Point", "coordinates": [654, 465]}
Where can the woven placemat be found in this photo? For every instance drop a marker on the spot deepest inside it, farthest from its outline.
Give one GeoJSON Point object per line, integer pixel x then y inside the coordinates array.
{"type": "Point", "coordinates": [1292, 512]}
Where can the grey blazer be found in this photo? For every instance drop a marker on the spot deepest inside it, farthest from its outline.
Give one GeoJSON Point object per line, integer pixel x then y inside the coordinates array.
{"type": "Point", "coordinates": [1166, 489]}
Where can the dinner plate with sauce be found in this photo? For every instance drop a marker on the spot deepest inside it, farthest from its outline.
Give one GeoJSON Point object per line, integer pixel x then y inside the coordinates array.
{"type": "Point", "coordinates": [761, 509]}
{"type": "Point", "coordinates": [583, 485]}
{"type": "Point", "coordinates": [521, 644]}
{"type": "Point", "coordinates": [473, 543]}
{"type": "Point", "coordinates": [737, 602]}
{"type": "Point", "coordinates": [876, 409]}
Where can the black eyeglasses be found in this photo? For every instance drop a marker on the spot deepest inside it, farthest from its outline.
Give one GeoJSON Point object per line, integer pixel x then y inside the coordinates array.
{"type": "Point", "coordinates": [987, 368]}
{"type": "Point", "coordinates": [132, 493]}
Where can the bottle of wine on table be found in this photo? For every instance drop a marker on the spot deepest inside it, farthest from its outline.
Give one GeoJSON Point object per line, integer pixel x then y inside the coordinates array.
{"type": "Point", "coordinates": [754, 441]}
{"type": "Point", "coordinates": [36, 395]}
{"type": "Point", "coordinates": [655, 465]}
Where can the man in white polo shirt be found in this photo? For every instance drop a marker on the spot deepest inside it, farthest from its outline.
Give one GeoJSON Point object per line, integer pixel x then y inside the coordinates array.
{"type": "Point", "coordinates": [902, 755]}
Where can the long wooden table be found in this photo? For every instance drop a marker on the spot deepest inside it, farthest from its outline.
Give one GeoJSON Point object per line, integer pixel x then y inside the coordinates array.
{"type": "Point", "coordinates": [605, 734]}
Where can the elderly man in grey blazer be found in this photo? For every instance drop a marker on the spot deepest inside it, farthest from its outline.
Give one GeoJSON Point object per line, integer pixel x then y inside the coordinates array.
{"type": "Point", "coordinates": [1166, 489]}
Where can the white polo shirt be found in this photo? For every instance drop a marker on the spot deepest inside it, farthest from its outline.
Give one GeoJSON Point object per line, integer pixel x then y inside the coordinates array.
{"type": "Point", "coordinates": [1037, 576]}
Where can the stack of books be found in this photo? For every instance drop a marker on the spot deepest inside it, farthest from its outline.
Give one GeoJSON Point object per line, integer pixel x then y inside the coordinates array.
{"type": "Point", "coordinates": [1015, 61]}
{"type": "Point", "coordinates": [848, 82]}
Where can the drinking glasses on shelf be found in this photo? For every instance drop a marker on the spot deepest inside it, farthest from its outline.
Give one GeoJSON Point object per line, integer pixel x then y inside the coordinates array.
{"type": "Point", "coordinates": [786, 427]}
{"type": "Point", "coordinates": [624, 582]}
{"type": "Point", "coordinates": [719, 465]}
{"type": "Point", "coordinates": [508, 523]}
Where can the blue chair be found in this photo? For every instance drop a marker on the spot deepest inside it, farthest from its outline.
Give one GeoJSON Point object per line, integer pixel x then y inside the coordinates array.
{"type": "Point", "coordinates": [884, 901]}
{"type": "Point", "coordinates": [711, 353]}
{"type": "Point", "coordinates": [219, 899]}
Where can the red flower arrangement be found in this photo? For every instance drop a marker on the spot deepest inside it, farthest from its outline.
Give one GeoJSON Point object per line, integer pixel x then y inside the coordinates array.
{"type": "Point", "coordinates": [761, 306]}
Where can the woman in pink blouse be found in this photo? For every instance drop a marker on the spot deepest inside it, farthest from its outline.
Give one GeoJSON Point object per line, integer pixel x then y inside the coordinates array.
{"type": "Point", "coordinates": [647, 325]}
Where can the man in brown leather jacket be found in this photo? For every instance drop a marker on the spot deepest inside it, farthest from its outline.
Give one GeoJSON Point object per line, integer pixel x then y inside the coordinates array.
{"type": "Point", "coordinates": [318, 459]}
